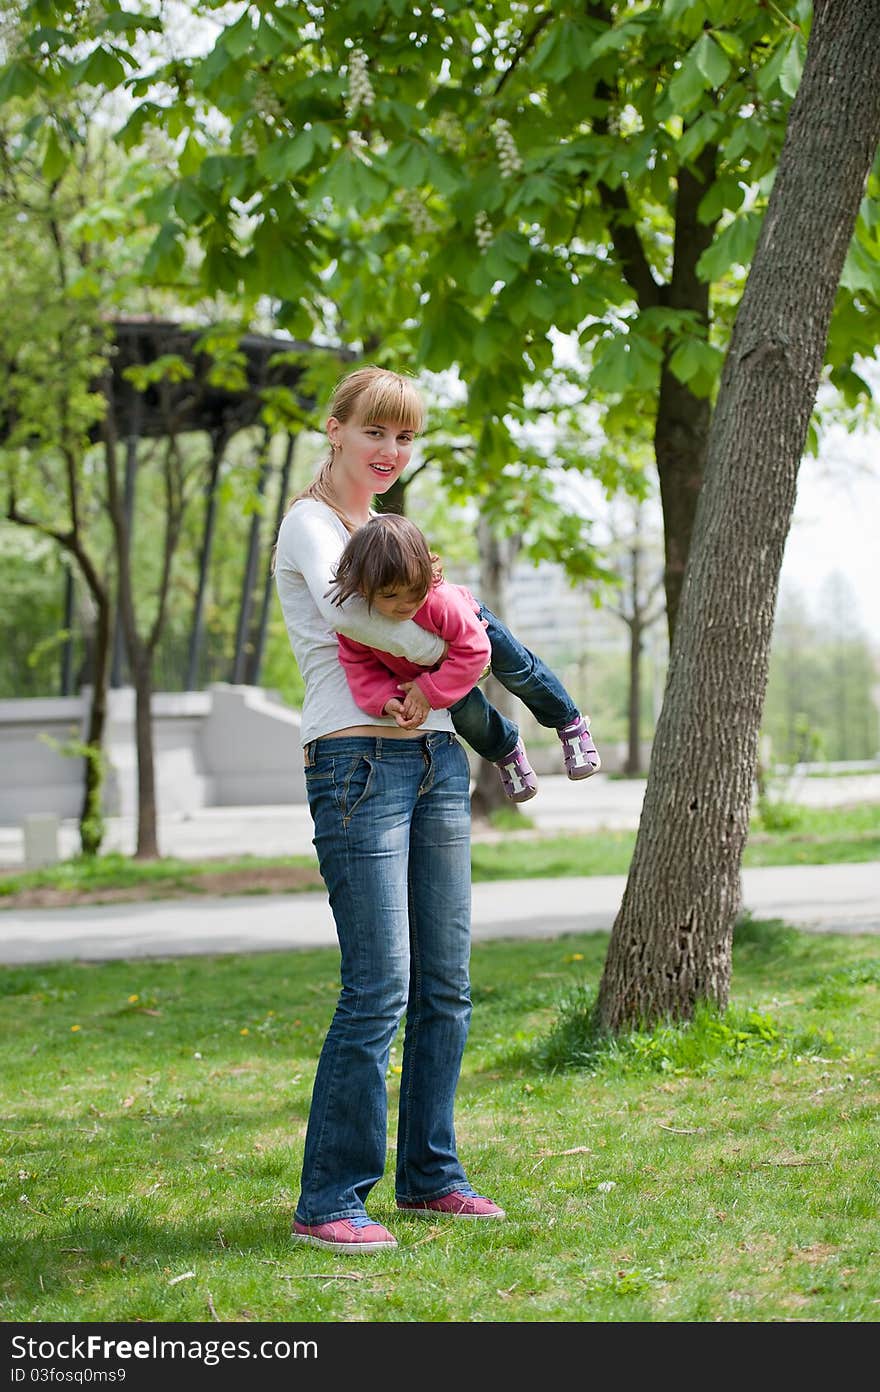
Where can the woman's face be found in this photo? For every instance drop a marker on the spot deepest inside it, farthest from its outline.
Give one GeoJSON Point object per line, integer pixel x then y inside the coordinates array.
{"type": "Point", "coordinates": [371, 457]}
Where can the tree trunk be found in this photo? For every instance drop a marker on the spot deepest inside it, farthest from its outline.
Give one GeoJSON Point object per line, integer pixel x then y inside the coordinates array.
{"type": "Point", "coordinates": [258, 645]}
{"type": "Point", "coordinates": [672, 939]}
{"type": "Point", "coordinates": [219, 441]}
{"type": "Point", "coordinates": [66, 674]}
{"type": "Point", "coordinates": [129, 490]}
{"type": "Point", "coordinates": [681, 429]}
{"type": "Point", "coordinates": [242, 636]}
{"type": "Point", "coordinates": [497, 555]}
{"type": "Point", "coordinates": [91, 817]}
{"type": "Point", "coordinates": [147, 847]}
{"type": "Point", "coordinates": [633, 765]}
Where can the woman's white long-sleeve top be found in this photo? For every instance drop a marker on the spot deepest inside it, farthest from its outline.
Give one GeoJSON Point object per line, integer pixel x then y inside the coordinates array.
{"type": "Point", "coordinates": [311, 539]}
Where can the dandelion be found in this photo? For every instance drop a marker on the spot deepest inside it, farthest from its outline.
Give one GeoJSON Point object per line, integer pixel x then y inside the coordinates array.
{"type": "Point", "coordinates": [508, 154]}
{"type": "Point", "coordinates": [483, 230]}
{"type": "Point", "coordinates": [132, 999]}
{"type": "Point", "coordinates": [244, 1031]}
{"type": "Point", "coordinates": [606, 1185]}
{"type": "Point", "coordinates": [74, 1028]}
{"type": "Point", "coordinates": [360, 89]}
{"type": "Point", "coordinates": [396, 1068]}
{"type": "Point", "coordinates": [575, 957]}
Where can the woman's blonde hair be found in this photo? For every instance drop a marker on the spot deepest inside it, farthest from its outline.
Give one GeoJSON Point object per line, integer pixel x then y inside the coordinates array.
{"type": "Point", "coordinates": [387, 553]}
{"type": "Point", "coordinates": [374, 395]}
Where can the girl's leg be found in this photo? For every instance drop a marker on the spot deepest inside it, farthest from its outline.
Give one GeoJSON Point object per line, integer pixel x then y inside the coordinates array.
{"type": "Point", "coordinates": [486, 730]}
{"type": "Point", "coordinates": [439, 1005]}
{"type": "Point", "coordinates": [527, 676]}
{"type": "Point", "coordinates": [361, 802]}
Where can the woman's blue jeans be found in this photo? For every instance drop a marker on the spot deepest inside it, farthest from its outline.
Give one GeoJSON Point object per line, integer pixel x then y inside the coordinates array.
{"type": "Point", "coordinates": [525, 675]}
{"type": "Point", "coordinates": [392, 832]}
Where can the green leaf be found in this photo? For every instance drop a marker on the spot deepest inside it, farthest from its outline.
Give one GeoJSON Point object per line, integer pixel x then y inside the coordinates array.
{"type": "Point", "coordinates": [792, 68]}
{"type": "Point", "coordinates": [771, 72]}
{"type": "Point", "coordinates": [407, 164]}
{"type": "Point", "coordinates": [189, 206]}
{"type": "Point", "coordinates": [284, 158]}
{"type": "Point", "coordinates": [165, 257]}
{"type": "Point", "coordinates": [17, 80]}
{"type": "Point", "coordinates": [127, 22]}
{"type": "Point", "coordinates": [711, 60]}
{"type": "Point", "coordinates": [611, 369]}
{"type": "Point", "coordinates": [239, 38]}
{"type": "Point", "coordinates": [100, 68]}
{"type": "Point", "coordinates": [269, 41]}
{"type": "Point", "coordinates": [56, 158]}
{"type": "Point", "coordinates": [861, 271]}
{"type": "Point", "coordinates": [696, 364]}
{"type": "Point", "coordinates": [725, 195]}
{"type": "Point", "coordinates": [734, 246]}
{"type": "Point", "coordinates": [507, 254]}
{"type": "Point", "coordinates": [627, 361]}
{"type": "Point", "coordinates": [191, 156]}
{"type": "Point", "coordinates": [688, 84]}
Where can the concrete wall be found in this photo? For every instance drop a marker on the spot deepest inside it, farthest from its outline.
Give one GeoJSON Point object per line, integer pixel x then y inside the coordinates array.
{"type": "Point", "coordinates": [227, 746]}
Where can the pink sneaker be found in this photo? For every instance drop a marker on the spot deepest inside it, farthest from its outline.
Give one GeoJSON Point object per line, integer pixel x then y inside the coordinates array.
{"type": "Point", "coordinates": [581, 757]}
{"type": "Point", "coordinates": [517, 774]}
{"type": "Point", "coordinates": [359, 1234]}
{"type": "Point", "coordinates": [461, 1203]}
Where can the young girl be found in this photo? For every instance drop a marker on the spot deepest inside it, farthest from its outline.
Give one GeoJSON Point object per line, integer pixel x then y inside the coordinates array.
{"type": "Point", "coordinates": [387, 563]}
{"type": "Point", "coordinates": [391, 809]}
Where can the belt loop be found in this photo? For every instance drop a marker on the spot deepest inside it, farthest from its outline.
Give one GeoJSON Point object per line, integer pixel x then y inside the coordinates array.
{"type": "Point", "coordinates": [309, 753]}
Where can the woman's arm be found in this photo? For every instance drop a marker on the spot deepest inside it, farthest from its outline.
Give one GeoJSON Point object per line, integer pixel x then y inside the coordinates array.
{"type": "Point", "coordinates": [310, 543]}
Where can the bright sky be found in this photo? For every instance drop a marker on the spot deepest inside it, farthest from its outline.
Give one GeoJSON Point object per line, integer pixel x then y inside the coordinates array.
{"type": "Point", "coordinates": [836, 524]}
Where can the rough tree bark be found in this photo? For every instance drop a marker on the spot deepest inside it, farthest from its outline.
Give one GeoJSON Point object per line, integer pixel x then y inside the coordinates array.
{"type": "Point", "coordinates": [672, 940]}
{"type": "Point", "coordinates": [497, 555]}
{"type": "Point", "coordinates": [142, 649]}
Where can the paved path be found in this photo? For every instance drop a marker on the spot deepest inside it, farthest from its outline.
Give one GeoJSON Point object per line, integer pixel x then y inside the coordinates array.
{"type": "Point", "coordinates": [561, 806]}
{"type": "Point", "coordinates": [824, 898]}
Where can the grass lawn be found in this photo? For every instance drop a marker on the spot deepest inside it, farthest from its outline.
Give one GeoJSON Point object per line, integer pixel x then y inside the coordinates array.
{"type": "Point", "coordinates": [154, 1113]}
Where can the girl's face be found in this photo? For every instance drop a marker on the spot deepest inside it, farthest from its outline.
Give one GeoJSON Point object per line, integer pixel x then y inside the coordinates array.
{"type": "Point", "coordinates": [370, 457]}
{"type": "Point", "coordinates": [398, 604]}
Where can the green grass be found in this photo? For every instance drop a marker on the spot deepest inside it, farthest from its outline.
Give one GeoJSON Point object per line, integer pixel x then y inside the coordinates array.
{"type": "Point", "coordinates": [154, 1114]}
{"type": "Point", "coordinates": [805, 836]}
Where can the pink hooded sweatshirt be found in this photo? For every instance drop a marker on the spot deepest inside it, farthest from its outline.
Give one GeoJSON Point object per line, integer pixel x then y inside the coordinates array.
{"type": "Point", "coordinates": [451, 612]}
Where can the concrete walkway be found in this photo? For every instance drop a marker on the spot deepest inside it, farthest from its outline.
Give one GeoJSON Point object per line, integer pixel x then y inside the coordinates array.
{"type": "Point", "coordinates": [831, 898]}
{"type": "Point", "coordinates": [560, 806]}
{"type": "Point", "coordinates": [821, 898]}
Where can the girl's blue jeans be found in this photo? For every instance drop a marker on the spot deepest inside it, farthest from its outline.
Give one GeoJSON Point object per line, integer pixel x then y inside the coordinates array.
{"type": "Point", "coordinates": [392, 833]}
{"type": "Point", "coordinates": [525, 675]}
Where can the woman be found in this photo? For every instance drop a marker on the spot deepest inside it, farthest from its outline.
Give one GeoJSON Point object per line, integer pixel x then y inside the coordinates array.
{"type": "Point", "coordinates": [391, 811]}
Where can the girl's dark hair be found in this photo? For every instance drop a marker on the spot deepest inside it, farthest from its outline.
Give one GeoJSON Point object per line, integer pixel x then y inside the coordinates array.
{"type": "Point", "coordinates": [387, 553]}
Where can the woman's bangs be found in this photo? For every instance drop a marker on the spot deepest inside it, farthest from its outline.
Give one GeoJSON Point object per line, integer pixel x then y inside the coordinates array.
{"type": "Point", "coordinates": [392, 401]}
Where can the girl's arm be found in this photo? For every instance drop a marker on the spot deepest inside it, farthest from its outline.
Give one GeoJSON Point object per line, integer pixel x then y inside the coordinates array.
{"type": "Point", "coordinates": [371, 683]}
{"type": "Point", "coordinates": [310, 543]}
{"type": "Point", "coordinates": [449, 611]}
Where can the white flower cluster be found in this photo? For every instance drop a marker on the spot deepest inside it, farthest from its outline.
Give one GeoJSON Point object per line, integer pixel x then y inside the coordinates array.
{"type": "Point", "coordinates": [360, 88]}
{"type": "Point", "coordinates": [268, 103]}
{"type": "Point", "coordinates": [508, 154]}
{"type": "Point", "coordinates": [422, 222]}
{"type": "Point", "coordinates": [483, 230]}
{"type": "Point", "coordinates": [450, 129]}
